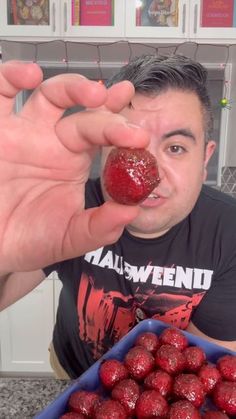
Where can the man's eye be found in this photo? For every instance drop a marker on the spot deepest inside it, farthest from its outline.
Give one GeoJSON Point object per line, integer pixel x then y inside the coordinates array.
{"type": "Point", "coordinates": [176, 149]}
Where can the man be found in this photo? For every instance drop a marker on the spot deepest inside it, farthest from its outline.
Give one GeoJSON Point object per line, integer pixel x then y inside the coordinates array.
{"type": "Point", "coordinates": [171, 258]}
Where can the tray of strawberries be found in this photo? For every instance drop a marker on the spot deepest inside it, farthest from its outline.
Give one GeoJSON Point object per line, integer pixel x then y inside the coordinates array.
{"type": "Point", "coordinates": [155, 371]}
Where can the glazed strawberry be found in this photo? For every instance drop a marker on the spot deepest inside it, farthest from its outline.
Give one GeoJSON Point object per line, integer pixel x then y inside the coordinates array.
{"type": "Point", "coordinates": [183, 409]}
{"type": "Point", "coordinates": [148, 340]}
{"type": "Point", "coordinates": [130, 175]}
{"type": "Point", "coordinates": [111, 372]}
{"type": "Point", "coordinates": [84, 402]}
{"type": "Point", "coordinates": [139, 362]}
{"type": "Point", "coordinates": [227, 367]}
{"type": "Point", "coordinates": [127, 393]}
{"type": "Point", "coordinates": [189, 387]}
{"type": "Point", "coordinates": [214, 414]}
{"type": "Point", "coordinates": [175, 337]}
{"type": "Point", "coordinates": [72, 415]}
{"type": "Point", "coordinates": [160, 381]}
{"type": "Point", "coordinates": [194, 358]}
{"type": "Point", "coordinates": [209, 376]}
{"type": "Point", "coordinates": [224, 397]}
{"type": "Point", "coordinates": [170, 359]}
{"type": "Point", "coordinates": [110, 409]}
{"type": "Point", "coordinates": [151, 405]}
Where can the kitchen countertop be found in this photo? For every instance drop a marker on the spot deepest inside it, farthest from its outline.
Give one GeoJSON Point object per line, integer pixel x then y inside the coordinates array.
{"type": "Point", "coordinates": [22, 398]}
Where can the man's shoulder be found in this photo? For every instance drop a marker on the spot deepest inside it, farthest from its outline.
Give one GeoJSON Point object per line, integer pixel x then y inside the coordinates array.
{"type": "Point", "coordinates": [216, 205]}
{"type": "Point", "coordinates": [215, 199]}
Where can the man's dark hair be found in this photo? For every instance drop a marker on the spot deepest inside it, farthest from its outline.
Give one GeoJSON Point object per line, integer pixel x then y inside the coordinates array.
{"type": "Point", "coordinates": [154, 74]}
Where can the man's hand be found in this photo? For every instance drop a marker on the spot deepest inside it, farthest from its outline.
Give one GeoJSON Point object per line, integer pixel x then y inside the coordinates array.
{"type": "Point", "coordinates": [45, 163]}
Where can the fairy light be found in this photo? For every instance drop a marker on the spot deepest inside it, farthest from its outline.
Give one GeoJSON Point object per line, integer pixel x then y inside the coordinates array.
{"type": "Point", "coordinates": [224, 102]}
{"type": "Point", "coordinates": [139, 4]}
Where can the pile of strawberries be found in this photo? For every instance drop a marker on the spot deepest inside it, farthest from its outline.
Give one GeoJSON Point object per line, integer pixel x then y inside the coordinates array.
{"type": "Point", "coordinates": [160, 377]}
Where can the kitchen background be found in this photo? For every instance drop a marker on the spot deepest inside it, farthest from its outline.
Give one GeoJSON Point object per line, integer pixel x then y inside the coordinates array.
{"type": "Point", "coordinates": [95, 38]}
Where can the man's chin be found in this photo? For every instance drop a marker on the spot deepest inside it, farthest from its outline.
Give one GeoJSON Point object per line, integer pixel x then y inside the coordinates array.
{"type": "Point", "coordinates": [147, 232]}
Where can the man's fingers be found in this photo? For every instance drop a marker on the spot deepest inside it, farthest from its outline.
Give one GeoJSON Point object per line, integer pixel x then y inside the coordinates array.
{"type": "Point", "coordinates": [79, 132]}
{"type": "Point", "coordinates": [119, 96]}
{"type": "Point", "coordinates": [14, 77]}
{"type": "Point", "coordinates": [59, 93]}
{"type": "Point", "coordinates": [96, 227]}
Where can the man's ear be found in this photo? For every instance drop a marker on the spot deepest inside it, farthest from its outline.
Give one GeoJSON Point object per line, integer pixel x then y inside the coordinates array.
{"type": "Point", "coordinates": [209, 150]}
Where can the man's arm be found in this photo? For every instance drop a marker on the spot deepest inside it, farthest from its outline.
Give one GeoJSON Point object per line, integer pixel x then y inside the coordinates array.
{"type": "Point", "coordinates": [16, 285]}
{"type": "Point", "coordinates": [195, 331]}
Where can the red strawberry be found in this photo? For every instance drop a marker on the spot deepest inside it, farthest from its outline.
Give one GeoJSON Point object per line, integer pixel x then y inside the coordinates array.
{"type": "Point", "coordinates": [111, 372]}
{"type": "Point", "coordinates": [194, 358]}
{"type": "Point", "coordinates": [209, 376]}
{"type": "Point", "coordinates": [127, 393]}
{"type": "Point", "coordinates": [175, 337]}
{"type": "Point", "coordinates": [110, 409]}
{"type": "Point", "coordinates": [227, 366]}
{"type": "Point", "coordinates": [151, 405]}
{"type": "Point", "coordinates": [170, 359]}
{"type": "Point", "coordinates": [160, 381]}
{"type": "Point", "coordinates": [189, 386]}
{"type": "Point", "coordinates": [72, 415]}
{"type": "Point", "coordinates": [84, 402]}
{"type": "Point", "coordinates": [224, 397]}
{"type": "Point", "coordinates": [214, 414]}
{"type": "Point", "coordinates": [183, 409]}
{"type": "Point", "coordinates": [148, 340]}
{"type": "Point", "coordinates": [139, 362]}
{"type": "Point", "coordinates": [130, 175]}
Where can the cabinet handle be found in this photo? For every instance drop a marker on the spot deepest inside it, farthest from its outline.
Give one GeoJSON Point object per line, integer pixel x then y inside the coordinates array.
{"type": "Point", "coordinates": [65, 17]}
{"type": "Point", "coordinates": [195, 18]}
{"type": "Point", "coordinates": [184, 18]}
{"type": "Point", "coordinates": [53, 17]}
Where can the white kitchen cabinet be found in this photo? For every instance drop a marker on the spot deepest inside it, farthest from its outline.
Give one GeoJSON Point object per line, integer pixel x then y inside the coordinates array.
{"type": "Point", "coordinates": [37, 20]}
{"type": "Point", "coordinates": [181, 20]}
{"type": "Point", "coordinates": [26, 330]}
{"type": "Point", "coordinates": [213, 20]}
{"type": "Point", "coordinates": [62, 18]}
{"type": "Point", "coordinates": [111, 20]}
{"type": "Point", "coordinates": [157, 20]}
{"type": "Point", "coordinates": [93, 18]}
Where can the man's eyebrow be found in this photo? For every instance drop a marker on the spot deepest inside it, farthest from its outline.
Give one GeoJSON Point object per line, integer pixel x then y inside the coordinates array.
{"type": "Point", "coordinates": [183, 132]}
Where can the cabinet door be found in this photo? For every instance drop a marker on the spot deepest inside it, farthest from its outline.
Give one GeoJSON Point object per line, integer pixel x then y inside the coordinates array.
{"type": "Point", "coordinates": [29, 18]}
{"type": "Point", "coordinates": [214, 20]}
{"type": "Point", "coordinates": [93, 18]}
{"type": "Point", "coordinates": [26, 330]}
{"type": "Point", "coordinates": [157, 19]}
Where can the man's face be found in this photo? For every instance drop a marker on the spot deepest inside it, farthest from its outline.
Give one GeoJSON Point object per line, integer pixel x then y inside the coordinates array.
{"type": "Point", "coordinates": [174, 120]}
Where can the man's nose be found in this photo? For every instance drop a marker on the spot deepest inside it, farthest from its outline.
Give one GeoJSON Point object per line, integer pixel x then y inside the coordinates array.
{"type": "Point", "coordinates": [160, 163]}
{"type": "Point", "coordinates": [161, 172]}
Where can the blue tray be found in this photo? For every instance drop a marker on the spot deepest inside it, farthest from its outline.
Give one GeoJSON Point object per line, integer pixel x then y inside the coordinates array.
{"type": "Point", "coordinates": [89, 380]}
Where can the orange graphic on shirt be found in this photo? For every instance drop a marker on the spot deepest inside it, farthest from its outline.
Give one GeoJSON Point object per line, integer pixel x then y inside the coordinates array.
{"type": "Point", "coordinates": [104, 317]}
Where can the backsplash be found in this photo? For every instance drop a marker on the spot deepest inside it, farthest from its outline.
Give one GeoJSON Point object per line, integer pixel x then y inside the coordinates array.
{"type": "Point", "coordinates": [228, 181]}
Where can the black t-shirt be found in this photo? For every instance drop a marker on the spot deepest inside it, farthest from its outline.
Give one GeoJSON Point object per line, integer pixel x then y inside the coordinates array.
{"type": "Point", "coordinates": [189, 272]}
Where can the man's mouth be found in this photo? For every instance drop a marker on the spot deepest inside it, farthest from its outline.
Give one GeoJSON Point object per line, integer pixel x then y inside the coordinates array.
{"type": "Point", "coordinates": [153, 196]}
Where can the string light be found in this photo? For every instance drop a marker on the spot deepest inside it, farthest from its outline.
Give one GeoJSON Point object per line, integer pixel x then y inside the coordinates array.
{"type": "Point", "coordinates": [224, 103]}
{"type": "Point", "coordinates": [157, 49]}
